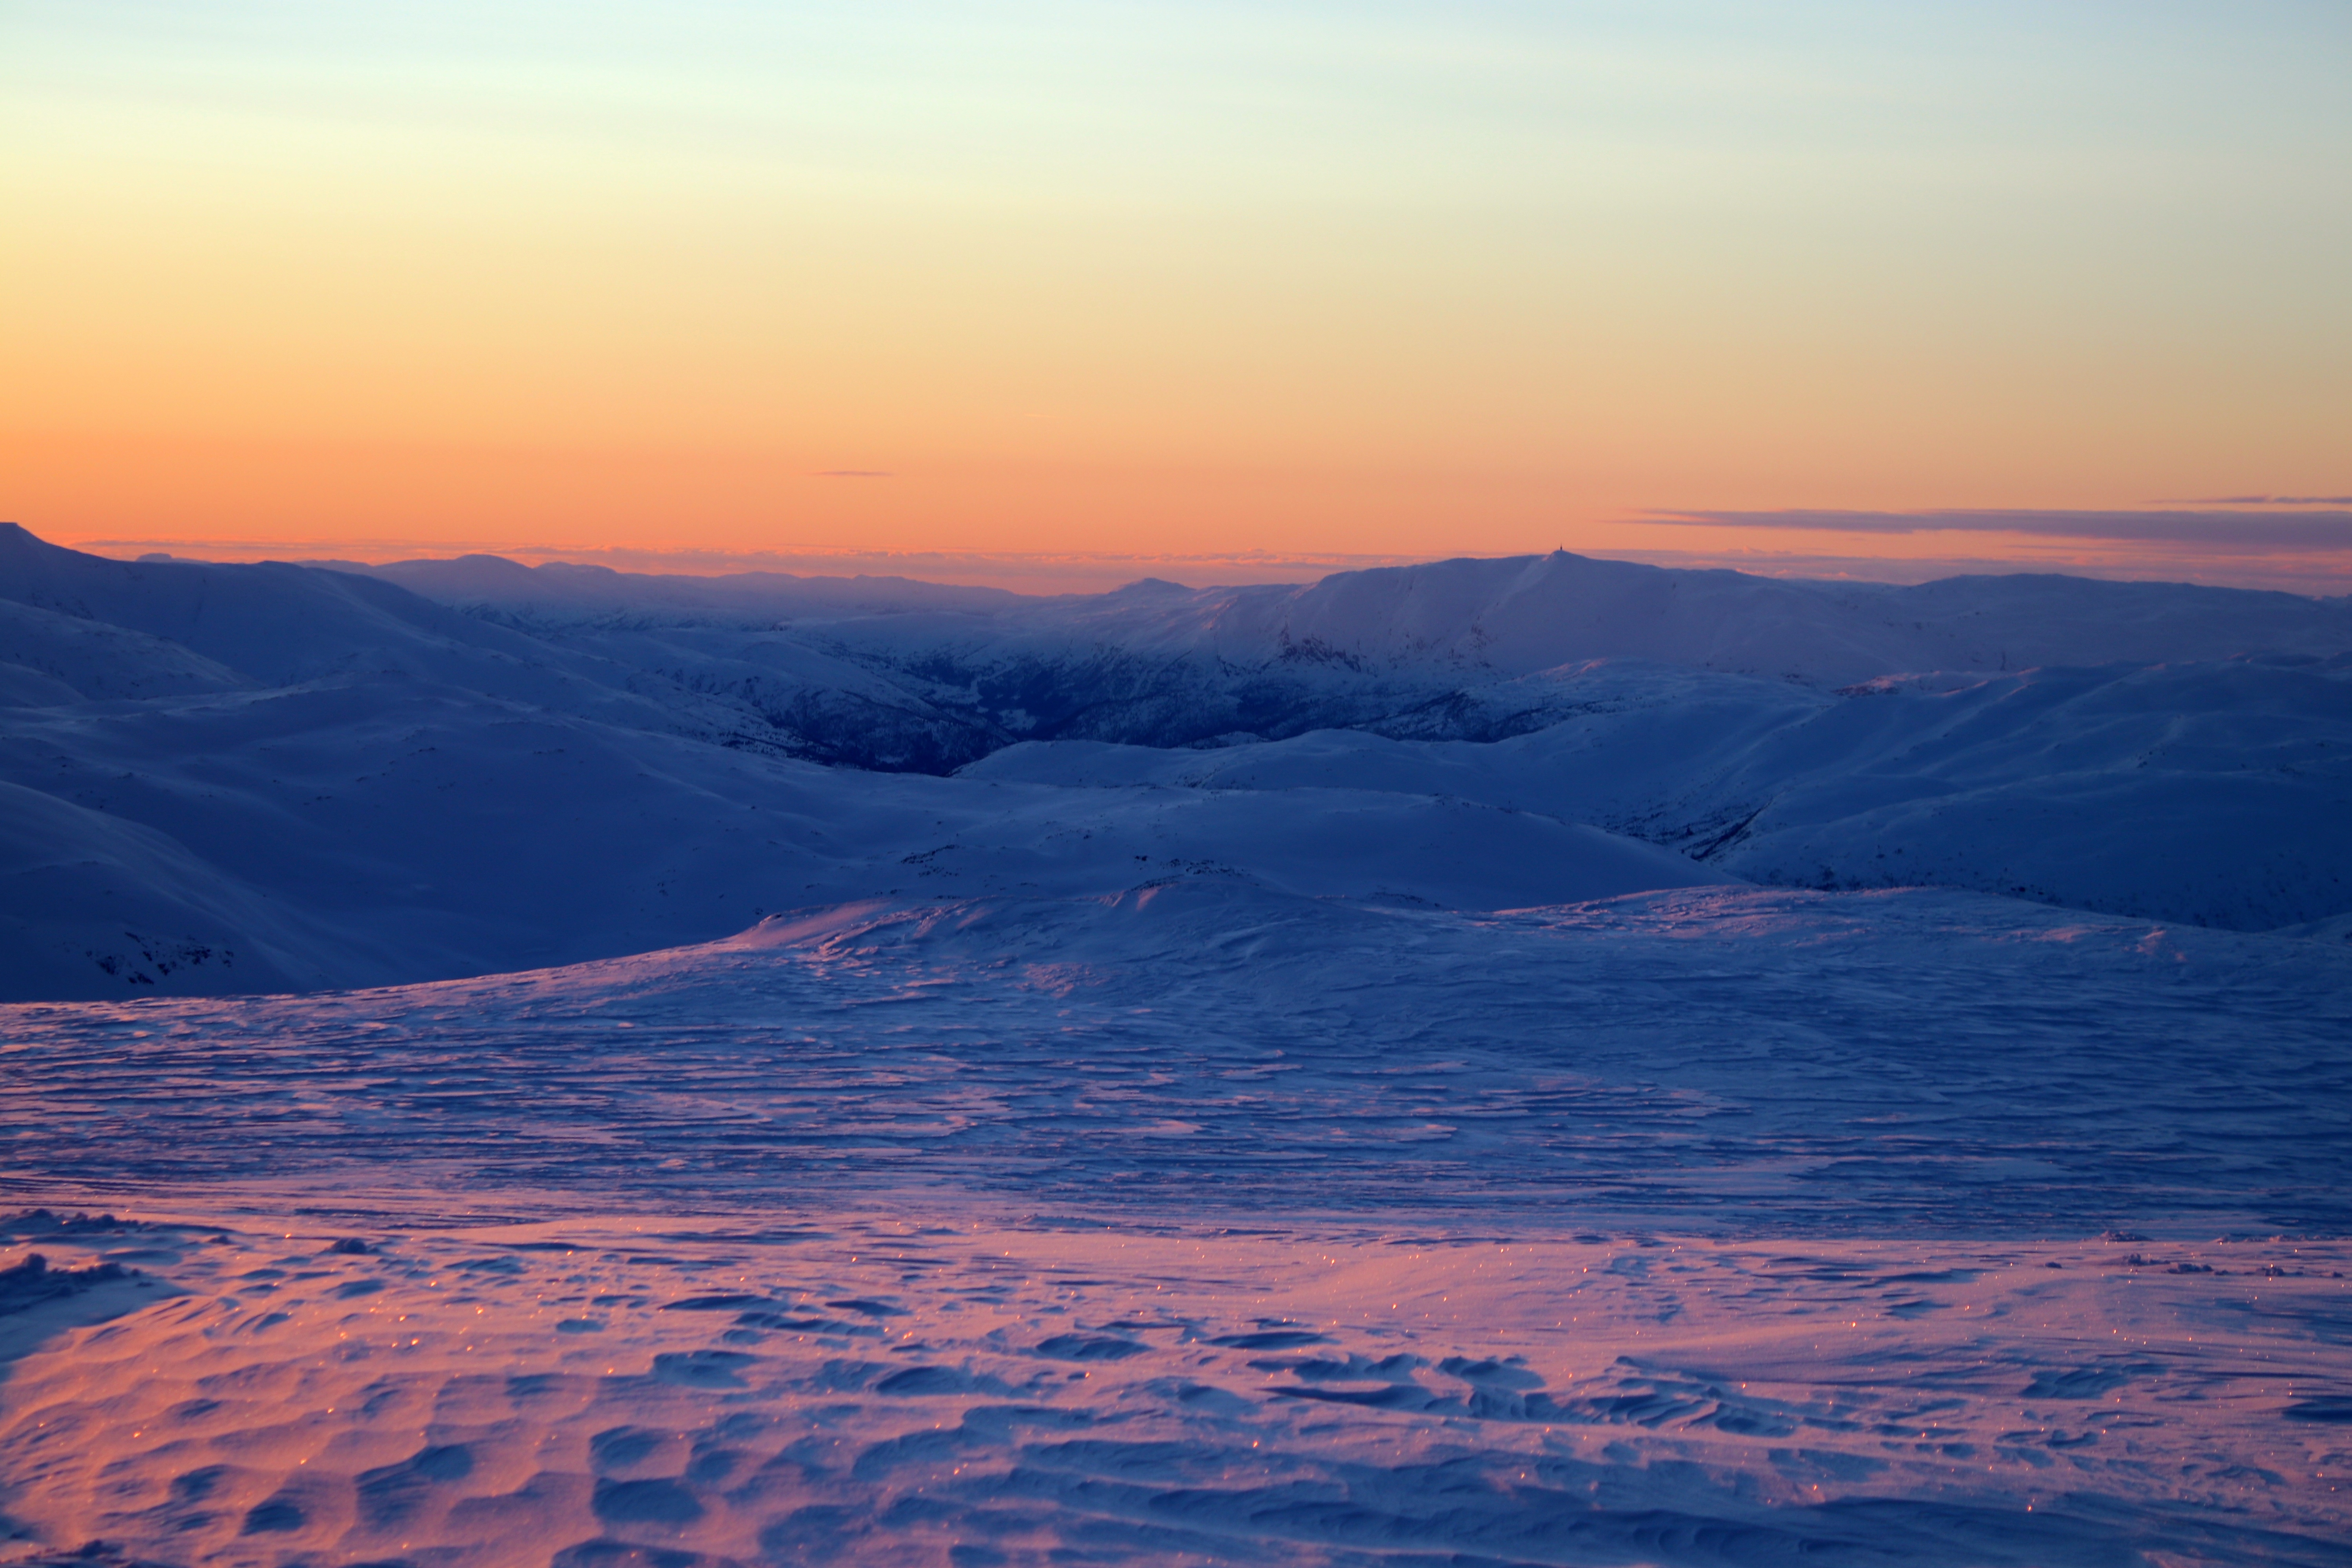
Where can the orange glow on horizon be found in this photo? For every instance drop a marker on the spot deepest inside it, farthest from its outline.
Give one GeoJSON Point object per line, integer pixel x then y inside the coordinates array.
{"type": "Point", "coordinates": [911, 281]}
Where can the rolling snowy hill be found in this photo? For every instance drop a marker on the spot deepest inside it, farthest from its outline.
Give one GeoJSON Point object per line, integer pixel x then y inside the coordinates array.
{"type": "Point", "coordinates": [228, 778]}
{"type": "Point", "coordinates": [2215, 793]}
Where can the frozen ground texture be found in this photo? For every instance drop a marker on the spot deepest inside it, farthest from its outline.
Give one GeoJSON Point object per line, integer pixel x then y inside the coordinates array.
{"type": "Point", "coordinates": [1209, 1224]}
{"type": "Point", "coordinates": [1738, 1060]}
{"type": "Point", "coordinates": [1540, 1061]}
{"type": "Point", "coordinates": [963, 1391]}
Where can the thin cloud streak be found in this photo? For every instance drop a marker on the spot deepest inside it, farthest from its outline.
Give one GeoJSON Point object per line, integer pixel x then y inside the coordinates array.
{"type": "Point", "coordinates": [2234, 531]}
{"type": "Point", "coordinates": [2257, 500]}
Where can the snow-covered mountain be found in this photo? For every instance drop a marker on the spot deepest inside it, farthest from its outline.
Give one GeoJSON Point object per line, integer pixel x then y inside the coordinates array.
{"type": "Point", "coordinates": [239, 777]}
{"type": "Point", "coordinates": [1394, 1128]}
{"type": "Point", "coordinates": [1445, 650]}
{"type": "Point", "coordinates": [1489, 618]}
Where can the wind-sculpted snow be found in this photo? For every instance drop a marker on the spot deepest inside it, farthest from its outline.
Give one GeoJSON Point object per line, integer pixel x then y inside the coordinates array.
{"type": "Point", "coordinates": [1753, 1060]}
{"type": "Point", "coordinates": [1211, 1223]}
{"type": "Point", "coordinates": [971, 1387]}
{"type": "Point", "coordinates": [975, 1388]}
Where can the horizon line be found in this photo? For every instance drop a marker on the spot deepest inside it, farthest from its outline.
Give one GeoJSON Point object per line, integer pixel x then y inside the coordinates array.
{"type": "Point", "coordinates": [1046, 574]}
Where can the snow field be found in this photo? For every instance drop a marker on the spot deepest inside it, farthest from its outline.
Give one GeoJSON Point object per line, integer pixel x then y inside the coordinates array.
{"type": "Point", "coordinates": [1728, 1061]}
{"type": "Point", "coordinates": [847, 1385]}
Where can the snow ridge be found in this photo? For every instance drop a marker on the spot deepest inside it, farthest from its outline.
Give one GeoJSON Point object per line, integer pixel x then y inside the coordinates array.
{"type": "Point", "coordinates": [228, 778]}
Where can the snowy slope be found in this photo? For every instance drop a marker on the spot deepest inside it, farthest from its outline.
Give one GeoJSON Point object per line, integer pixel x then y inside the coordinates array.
{"type": "Point", "coordinates": [411, 831]}
{"type": "Point", "coordinates": [1213, 1223]}
{"type": "Point", "coordinates": [52, 657]}
{"type": "Point", "coordinates": [92, 903]}
{"type": "Point", "coordinates": [116, 629]}
{"type": "Point", "coordinates": [2217, 793]}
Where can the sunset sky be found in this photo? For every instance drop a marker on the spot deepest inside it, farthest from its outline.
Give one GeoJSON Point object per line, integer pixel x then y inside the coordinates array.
{"type": "Point", "coordinates": [1217, 283]}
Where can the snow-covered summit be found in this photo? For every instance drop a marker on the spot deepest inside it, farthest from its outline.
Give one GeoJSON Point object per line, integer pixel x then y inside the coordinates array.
{"type": "Point", "coordinates": [1509, 615]}
{"type": "Point", "coordinates": [1529, 613]}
